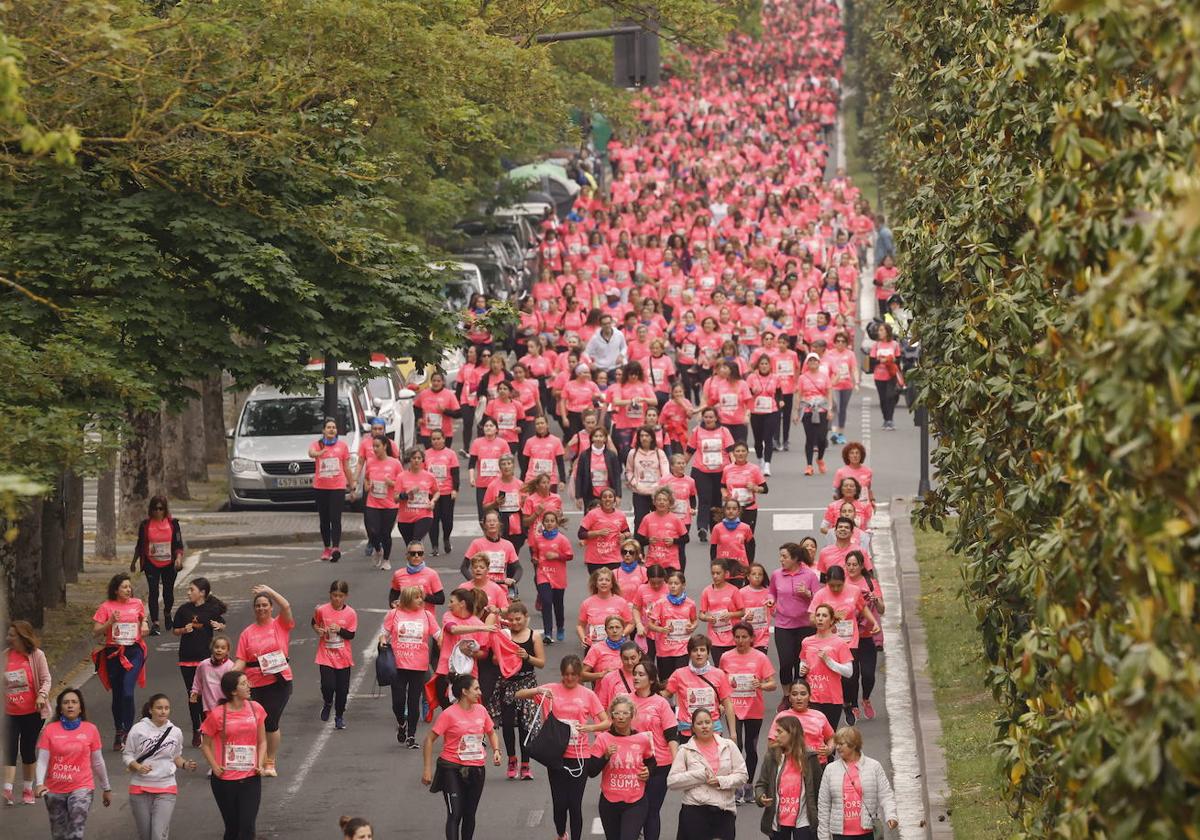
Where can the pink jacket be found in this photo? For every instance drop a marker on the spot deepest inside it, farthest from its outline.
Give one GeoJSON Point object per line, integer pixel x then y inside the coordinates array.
{"type": "Point", "coordinates": [207, 682]}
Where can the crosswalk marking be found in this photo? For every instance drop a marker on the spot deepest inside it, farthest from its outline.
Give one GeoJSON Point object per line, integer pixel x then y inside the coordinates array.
{"type": "Point", "coordinates": [792, 522]}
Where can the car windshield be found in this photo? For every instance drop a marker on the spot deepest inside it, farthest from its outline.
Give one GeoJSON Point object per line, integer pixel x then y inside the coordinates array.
{"type": "Point", "coordinates": [380, 388]}
{"type": "Point", "coordinates": [458, 294]}
{"type": "Point", "coordinates": [289, 416]}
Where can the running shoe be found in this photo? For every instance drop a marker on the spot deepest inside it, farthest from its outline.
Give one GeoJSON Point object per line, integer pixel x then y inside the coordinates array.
{"type": "Point", "coordinates": [703, 535]}
{"type": "Point", "coordinates": [448, 548]}
{"type": "Point", "coordinates": [377, 559]}
{"type": "Point", "coordinates": [269, 770]}
{"type": "Point", "coordinates": [326, 554]}
{"type": "Point", "coordinates": [868, 710]}
{"type": "Point", "coordinates": [512, 767]}
{"type": "Point", "coordinates": [27, 797]}
{"type": "Point", "coordinates": [195, 739]}
{"type": "Point", "coordinates": [821, 466]}
{"type": "Point", "coordinates": [336, 555]}
{"type": "Point", "coordinates": [433, 552]}
{"type": "Point", "coordinates": [526, 775]}
{"type": "Point", "coordinates": [368, 549]}
{"type": "Point", "coordinates": [766, 468]}
{"type": "Point", "coordinates": [412, 744]}
{"type": "Point", "coordinates": [8, 796]}
{"type": "Point", "coordinates": [401, 733]}
{"type": "Point", "coordinates": [787, 446]}
{"type": "Point", "coordinates": [808, 470]}
{"type": "Point", "coordinates": [850, 718]}
{"type": "Point", "coordinates": [325, 710]}
{"type": "Point", "coordinates": [339, 722]}
{"type": "Point", "coordinates": [560, 635]}
{"type": "Point", "coordinates": [547, 638]}
{"type": "Point", "coordinates": [119, 741]}
{"type": "Point", "coordinates": [385, 566]}
{"type": "Point", "coordinates": [154, 631]}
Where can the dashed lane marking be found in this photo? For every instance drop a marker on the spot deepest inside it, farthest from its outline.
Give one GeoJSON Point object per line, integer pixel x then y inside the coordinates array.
{"type": "Point", "coordinates": [792, 522]}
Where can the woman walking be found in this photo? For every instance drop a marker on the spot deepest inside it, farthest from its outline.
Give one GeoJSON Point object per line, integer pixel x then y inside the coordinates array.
{"type": "Point", "coordinates": [153, 752]}
{"type": "Point", "coordinates": [417, 493]}
{"type": "Point", "coordinates": [70, 766]}
{"type": "Point", "coordinates": [235, 746]}
{"type": "Point", "coordinates": [623, 758]}
{"type": "Point", "coordinates": [408, 629]}
{"type": "Point", "coordinates": [196, 623]}
{"type": "Point", "coordinates": [708, 769]}
{"type": "Point", "coordinates": [855, 794]}
{"type": "Point", "coordinates": [159, 553]}
{"type": "Point", "coordinates": [262, 654]}
{"type": "Point", "coordinates": [700, 685]}
{"type": "Point", "coordinates": [816, 398]}
{"type": "Point", "coordinates": [825, 659]}
{"type": "Point", "coordinates": [120, 624]}
{"type": "Point", "coordinates": [332, 477]}
{"type": "Point", "coordinates": [380, 472]}
{"type": "Point", "coordinates": [335, 624]}
{"type": "Point", "coordinates": [26, 694]}
{"type": "Point", "coordinates": [516, 715]}
{"type": "Point", "coordinates": [791, 589]}
{"type": "Point", "coordinates": [645, 467]}
{"type": "Point", "coordinates": [750, 674]}
{"type": "Point", "coordinates": [460, 770]}
{"type": "Point", "coordinates": [550, 551]}
{"type": "Point", "coordinates": [786, 789]}
{"type": "Point", "coordinates": [654, 715]}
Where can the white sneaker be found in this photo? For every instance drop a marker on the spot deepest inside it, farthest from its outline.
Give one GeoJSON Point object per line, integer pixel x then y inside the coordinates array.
{"type": "Point", "coordinates": [385, 566]}
{"type": "Point", "coordinates": [766, 468]}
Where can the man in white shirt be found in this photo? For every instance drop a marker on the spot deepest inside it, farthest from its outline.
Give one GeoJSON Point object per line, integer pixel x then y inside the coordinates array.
{"type": "Point", "coordinates": [607, 347]}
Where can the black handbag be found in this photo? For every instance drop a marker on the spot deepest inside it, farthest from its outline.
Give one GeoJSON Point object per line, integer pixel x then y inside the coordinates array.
{"type": "Point", "coordinates": [547, 741]}
{"type": "Point", "coordinates": [385, 666]}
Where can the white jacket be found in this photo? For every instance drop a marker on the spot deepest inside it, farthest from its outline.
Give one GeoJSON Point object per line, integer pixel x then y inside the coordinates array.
{"type": "Point", "coordinates": [141, 737]}
{"type": "Point", "coordinates": [689, 772]}
{"type": "Point", "coordinates": [878, 799]}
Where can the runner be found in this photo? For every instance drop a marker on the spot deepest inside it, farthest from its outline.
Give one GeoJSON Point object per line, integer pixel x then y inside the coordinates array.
{"type": "Point", "coordinates": [602, 531]}
{"type": "Point", "coordinates": [818, 734]}
{"type": "Point", "coordinates": [153, 752]}
{"type": "Point", "coordinates": [460, 620]}
{"type": "Point", "coordinates": [700, 685]}
{"type": "Point", "coordinates": [620, 679]}
{"type": "Point", "coordinates": [854, 456]}
{"type": "Point", "coordinates": [786, 790]}
{"type": "Point", "coordinates": [767, 390]}
{"type": "Point", "coordinates": [720, 606]}
{"type": "Point", "coordinates": [26, 695]}
{"type": "Point", "coordinates": [517, 715]}
{"type": "Point", "coordinates": [744, 482]}
{"type": "Point", "coordinates": [159, 553]}
{"type": "Point", "coordinates": [205, 690]}
{"type": "Point", "coordinates": [845, 376]}
{"type": "Point", "coordinates": [483, 466]}
{"type": "Point", "coordinates": [379, 474]}
{"type": "Point", "coordinates": [331, 479]}
{"type": "Point", "coordinates": [417, 492]}
{"type": "Point", "coordinates": [235, 747]}
{"type": "Point", "coordinates": [605, 600]}
{"type": "Point", "coordinates": [662, 530]}
{"type": "Point", "coordinates": [433, 409]}
{"type": "Point", "coordinates": [709, 769]}
{"type": "Point", "coordinates": [366, 448]}
{"type": "Point", "coordinates": [866, 655]}
{"type": "Point", "coordinates": [674, 619]}
{"type": "Point", "coordinates": [604, 655]}
{"type": "Point", "coordinates": [120, 625]}
{"type": "Point", "coordinates": [70, 766]}
{"type": "Point", "coordinates": [335, 624]}
{"type": "Point", "coordinates": [498, 558]}
{"type": "Point", "coordinates": [262, 654]}
{"type": "Point", "coordinates": [750, 673]}
{"type": "Point", "coordinates": [460, 766]}
{"type": "Point", "coordinates": [757, 600]}
{"type": "Point", "coordinates": [443, 462]}
{"type": "Point", "coordinates": [551, 551]}
{"type": "Point", "coordinates": [709, 445]}
{"type": "Point", "coordinates": [654, 715]}
{"type": "Point", "coordinates": [630, 574]}
{"type": "Point", "coordinates": [731, 541]}
{"type": "Point", "coordinates": [825, 659]}
{"type": "Point", "coordinates": [646, 466]}
{"type": "Point", "coordinates": [505, 497]}
{"type": "Point", "coordinates": [196, 623]}
{"type": "Point", "coordinates": [508, 411]}
{"type": "Point", "coordinates": [623, 758]}
{"type": "Point", "coordinates": [815, 399]}
{"type": "Point", "coordinates": [408, 629]}
{"type": "Point", "coordinates": [416, 573]}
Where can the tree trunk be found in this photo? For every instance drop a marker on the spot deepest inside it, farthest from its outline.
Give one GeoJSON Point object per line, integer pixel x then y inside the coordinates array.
{"type": "Point", "coordinates": [174, 454]}
{"type": "Point", "coordinates": [214, 420]}
{"type": "Point", "coordinates": [141, 467]}
{"type": "Point", "coordinates": [106, 511]}
{"type": "Point", "coordinates": [193, 437]}
{"type": "Point", "coordinates": [54, 576]}
{"type": "Point", "coordinates": [21, 560]}
{"type": "Point", "coordinates": [73, 526]}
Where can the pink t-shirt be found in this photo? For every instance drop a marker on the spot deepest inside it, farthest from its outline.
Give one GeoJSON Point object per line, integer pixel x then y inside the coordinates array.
{"type": "Point", "coordinates": [731, 543]}
{"type": "Point", "coordinates": [331, 465]}
{"type": "Point", "coordinates": [487, 454]}
{"type": "Point", "coordinates": [604, 549]}
{"type": "Point", "coordinates": [70, 756]}
{"type": "Point", "coordinates": [790, 793]}
{"type": "Point", "coordinates": [826, 684]}
{"type": "Point", "coordinates": [619, 780]}
{"type": "Point", "coordinates": [158, 542]}
{"type": "Point", "coordinates": [126, 629]}
{"type": "Point", "coordinates": [710, 446]}
{"type": "Point", "coordinates": [758, 614]}
{"type": "Point", "coordinates": [847, 605]}
{"type": "Point", "coordinates": [595, 609]}
{"type": "Point", "coordinates": [510, 504]}
{"type": "Point", "coordinates": [541, 453]}
{"type": "Point", "coordinates": [451, 641]}
{"type": "Point", "coordinates": [207, 682]}
{"type": "Point", "coordinates": [841, 368]}
{"type": "Point", "coordinates": [379, 482]}
{"type": "Point", "coordinates": [434, 406]}
{"type": "Point", "coordinates": [266, 645]}
{"type": "Point", "coordinates": [464, 733]}
{"type": "Point", "coordinates": [497, 595]}
{"type": "Point", "coordinates": [429, 581]}
{"type": "Point", "coordinates": [741, 668]}
{"type": "Point", "coordinates": [738, 478]}
{"type": "Point", "coordinates": [628, 582]}
{"type": "Point", "coordinates": [500, 554]}
{"type": "Point", "coordinates": [442, 463]}
{"type": "Point", "coordinates": [693, 691]}
{"type": "Point", "coordinates": [408, 632]}
{"type": "Point", "coordinates": [665, 526]}
{"type": "Point", "coordinates": [817, 730]}
{"type": "Point", "coordinates": [553, 572]}
{"type": "Point", "coordinates": [676, 619]}
{"type": "Point", "coordinates": [833, 555]}
{"type": "Point", "coordinates": [20, 684]}
{"type": "Point", "coordinates": [852, 800]}
{"type": "Point", "coordinates": [644, 599]}
{"type": "Point", "coordinates": [613, 683]}
{"type": "Point", "coordinates": [332, 649]}
{"type": "Point", "coordinates": [235, 738]}
{"type": "Point", "coordinates": [600, 658]}
{"type": "Point", "coordinates": [578, 705]}
{"type": "Point", "coordinates": [683, 488]}
{"type": "Point", "coordinates": [719, 603]}
{"type": "Point", "coordinates": [579, 396]}
{"type": "Point", "coordinates": [654, 715]}
{"type": "Point", "coordinates": [861, 472]}
{"type": "Point", "coordinates": [421, 487]}
{"type": "Point", "coordinates": [711, 752]}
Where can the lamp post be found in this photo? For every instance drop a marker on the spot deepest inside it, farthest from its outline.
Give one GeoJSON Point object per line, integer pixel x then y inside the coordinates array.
{"type": "Point", "coordinates": [921, 419]}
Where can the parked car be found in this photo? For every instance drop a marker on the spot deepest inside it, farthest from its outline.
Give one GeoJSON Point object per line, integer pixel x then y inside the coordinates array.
{"type": "Point", "coordinates": [499, 282]}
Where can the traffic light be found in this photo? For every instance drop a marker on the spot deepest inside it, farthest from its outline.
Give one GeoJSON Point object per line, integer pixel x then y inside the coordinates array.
{"type": "Point", "coordinates": [636, 60]}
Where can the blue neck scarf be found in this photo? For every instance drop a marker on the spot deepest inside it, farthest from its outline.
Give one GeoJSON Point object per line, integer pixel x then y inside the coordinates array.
{"type": "Point", "coordinates": [329, 441]}
{"type": "Point", "coordinates": [690, 328]}
{"type": "Point", "coordinates": [412, 570]}
{"type": "Point", "coordinates": [70, 725]}
{"type": "Point", "coordinates": [630, 568]}
{"type": "Point", "coordinates": [549, 534]}
{"type": "Point", "coordinates": [731, 524]}
{"type": "Point", "coordinates": [614, 645]}
{"type": "Point", "coordinates": [677, 601]}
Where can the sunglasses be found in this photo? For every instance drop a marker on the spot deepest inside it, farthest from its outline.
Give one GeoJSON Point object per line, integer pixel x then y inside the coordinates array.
{"type": "Point", "coordinates": [416, 554]}
{"type": "Point", "coordinates": [628, 551]}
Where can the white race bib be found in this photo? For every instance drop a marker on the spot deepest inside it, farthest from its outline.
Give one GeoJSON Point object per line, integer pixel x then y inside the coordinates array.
{"type": "Point", "coordinates": [506, 421]}
{"type": "Point", "coordinates": [729, 401]}
{"type": "Point", "coordinates": [884, 353]}
{"type": "Point", "coordinates": [596, 632]}
{"type": "Point", "coordinates": [540, 465]}
{"type": "Point", "coordinates": [512, 502]}
{"type": "Point", "coordinates": [125, 632]}
{"type": "Point", "coordinates": [842, 370]}
{"type": "Point", "coordinates": [657, 375]}
{"type": "Point", "coordinates": [240, 756]}
{"type": "Point", "coordinates": [379, 489]}
{"type": "Point", "coordinates": [496, 564]}
{"type": "Point", "coordinates": [330, 467]}
{"type": "Point", "coordinates": [419, 499]}
{"type": "Point", "coordinates": [756, 616]}
{"type": "Point", "coordinates": [844, 628]}
{"type": "Point", "coordinates": [489, 466]}
{"type": "Point", "coordinates": [764, 403]}
{"type": "Point", "coordinates": [701, 698]}
{"type": "Point", "coordinates": [409, 632]}
{"type": "Point", "coordinates": [743, 685]}
{"type": "Point", "coordinates": [272, 663]}
{"type": "Point", "coordinates": [470, 747]}
{"type": "Point", "coordinates": [599, 479]}
{"type": "Point", "coordinates": [433, 420]}
{"type": "Point", "coordinates": [711, 460]}
{"type": "Point", "coordinates": [784, 367]}
{"type": "Point", "coordinates": [648, 474]}
{"type": "Point", "coordinates": [721, 622]}
{"type": "Point", "coordinates": [742, 495]}
{"type": "Point", "coordinates": [16, 682]}
{"type": "Point", "coordinates": [680, 507]}
{"type": "Point", "coordinates": [677, 629]}
{"type": "Point", "coordinates": [333, 641]}
{"type": "Point", "coordinates": [160, 551]}
{"type": "Point", "coordinates": [635, 409]}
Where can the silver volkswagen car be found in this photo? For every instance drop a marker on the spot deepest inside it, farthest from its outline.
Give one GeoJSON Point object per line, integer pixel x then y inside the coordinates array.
{"type": "Point", "coordinates": [268, 455]}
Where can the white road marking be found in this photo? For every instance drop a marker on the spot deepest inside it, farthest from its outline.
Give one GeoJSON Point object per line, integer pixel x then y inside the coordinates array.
{"type": "Point", "coordinates": [906, 765]}
{"type": "Point", "coordinates": [241, 556]}
{"type": "Point", "coordinates": [792, 522]}
{"type": "Point", "coordinates": [535, 818]}
{"type": "Point", "coordinates": [597, 827]}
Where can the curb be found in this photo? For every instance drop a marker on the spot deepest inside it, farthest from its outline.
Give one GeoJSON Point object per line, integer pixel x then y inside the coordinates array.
{"type": "Point", "coordinates": [934, 786]}
{"type": "Point", "coordinates": [231, 540]}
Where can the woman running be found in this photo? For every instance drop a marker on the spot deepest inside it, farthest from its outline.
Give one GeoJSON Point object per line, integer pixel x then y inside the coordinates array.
{"type": "Point", "coordinates": [674, 619]}
{"type": "Point", "coordinates": [721, 606]}
{"type": "Point", "coordinates": [849, 608]}
{"type": "Point", "coordinates": [732, 540]}
{"type": "Point", "coordinates": [153, 752]}
{"type": "Point", "coordinates": [483, 466]}
{"type": "Point", "coordinates": [605, 600]}
{"type": "Point", "coordinates": [604, 656]}
{"type": "Point", "coordinates": [700, 685]}
{"type": "Point", "coordinates": [818, 734]}
{"type": "Point", "coordinates": [70, 766]}
{"type": "Point", "coordinates": [417, 492]}
{"type": "Point", "coordinates": [262, 654]}
{"type": "Point", "coordinates": [544, 455]}
{"type": "Point", "coordinates": [332, 477]}
{"type": "Point", "coordinates": [825, 659]}
{"type": "Point", "coordinates": [26, 703]}
{"type": "Point", "coordinates": [866, 655]}
{"type": "Point", "coordinates": [235, 746]}
{"type": "Point", "coordinates": [442, 461]}
{"type": "Point", "coordinates": [623, 758]}
{"type": "Point", "coordinates": [708, 769]}
{"type": "Point", "coordinates": [815, 394]}
{"type": "Point", "coordinates": [786, 789]}
{"type": "Point", "coordinates": [889, 378]}
{"type": "Point", "coordinates": [750, 674]}
{"type": "Point", "coordinates": [744, 483]}
{"type": "Point", "coordinates": [196, 623]}
{"type": "Point", "coordinates": [631, 572]}
{"type": "Point", "coordinates": [205, 690]}
{"type": "Point", "coordinates": [844, 374]}
{"type": "Point", "coordinates": [551, 551]}
{"type": "Point", "coordinates": [684, 503]}
{"type": "Point", "coordinates": [602, 530]}
{"type": "Point", "coordinates": [120, 625]}
{"type": "Point", "coordinates": [654, 715]}
{"type": "Point", "coordinates": [460, 773]}
{"type": "Point", "coordinates": [854, 456]}
{"type": "Point", "coordinates": [159, 553]}
{"type": "Point", "coordinates": [767, 391]}
{"type": "Point", "coordinates": [517, 715]}
{"type": "Point", "coordinates": [499, 560]}
{"type": "Point", "coordinates": [335, 624]}
{"type": "Point", "coordinates": [408, 629]}
{"type": "Point", "coordinates": [642, 604]}
{"type": "Point", "coordinates": [379, 474]}
{"type": "Point", "coordinates": [710, 444]}
{"type": "Point", "coordinates": [505, 497]}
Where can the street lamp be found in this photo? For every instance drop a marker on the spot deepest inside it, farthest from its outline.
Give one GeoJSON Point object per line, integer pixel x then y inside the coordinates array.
{"type": "Point", "coordinates": [921, 419]}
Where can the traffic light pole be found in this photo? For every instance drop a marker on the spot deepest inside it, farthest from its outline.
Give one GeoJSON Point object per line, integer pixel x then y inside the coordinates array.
{"type": "Point", "coordinates": [636, 61]}
{"type": "Point", "coordinates": [921, 418]}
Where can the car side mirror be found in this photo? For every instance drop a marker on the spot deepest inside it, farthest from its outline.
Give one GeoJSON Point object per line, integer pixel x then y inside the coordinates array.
{"type": "Point", "coordinates": [377, 402]}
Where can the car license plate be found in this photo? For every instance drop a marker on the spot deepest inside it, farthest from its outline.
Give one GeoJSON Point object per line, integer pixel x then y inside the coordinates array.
{"type": "Point", "coordinates": [294, 481]}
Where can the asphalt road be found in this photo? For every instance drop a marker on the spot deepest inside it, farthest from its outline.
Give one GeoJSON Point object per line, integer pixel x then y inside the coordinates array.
{"type": "Point", "coordinates": [362, 770]}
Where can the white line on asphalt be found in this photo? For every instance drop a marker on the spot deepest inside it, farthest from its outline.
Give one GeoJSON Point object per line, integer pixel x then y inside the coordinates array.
{"type": "Point", "coordinates": [228, 565]}
{"type": "Point", "coordinates": [535, 818]}
{"type": "Point", "coordinates": [597, 827]}
{"type": "Point", "coordinates": [239, 556]}
{"type": "Point", "coordinates": [906, 767]}
{"type": "Point", "coordinates": [792, 522]}
{"type": "Point", "coordinates": [314, 752]}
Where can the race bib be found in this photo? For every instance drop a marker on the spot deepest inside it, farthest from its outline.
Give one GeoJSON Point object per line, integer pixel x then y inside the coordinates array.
{"type": "Point", "coordinates": [885, 353]}
{"type": "Point", "coordinates": [721, 622]}
{"type": "Point", "coordinates": [729, 401]}
{"type": "Point", "coordinates": [489, 466]}
{"type": "Point", "coordinates": [708, 282]}
{"type": "Point", "coordinates": [333, 641]}
{"type": "Point", "coordinates": [844, 628]}
{"type": "Point", "coordinates": [596, 632]}
{"type": "Point", "coordinates": [711, 460]}
{"type": "Point", "coordinates": [160, 551]}
{"type": "Point", "coordinates": [419, 499]}
{"type": "Point", "coordinates": [507, 421]}
{"type": "Point", "coordinates": [16, 682]}
{"type": "Point", "coordinates": [701, 698]}
{"type": "Point", "coordinates": [784, 367]}
{"type": "Point", "coordinates": [742, 495]}
{"type": "Point", "coordinates": [433, 420]}
{"type": "Point", "coordinates": [743, 685]}
{"type": "Point", "coordinates": [756, 616]}
{"type": "Point", "coordinates": [409, 632]}
{"type": "Point", "coordinates": [470, 747]}
{"type": "Point", "coordinates": [688, 351]}
{"type": "Point", "coordinates": [657, 375]}
{"type": "Point", "coordinates": [439, 471]}
{"type": "Point", "coordinates": [240, 756]}
{"type": "Point", "coordinates": [273, 662]}
{"type": "Point", "coordinates": [379, 489]}
{"type": "Point", "coordinates": [635, 409]}
{"type": "Point", "coordinates": [648, 474]}
{"type": "Point", "coordinates": [540, 465]}
{"type": "Point", "coordinates": [764, 403]}
{"type": "Point", "coordinates": [677, 629]}
{"type": "Point", "coordinates": [578, 738]}
{"type": "Point", "coordinates": [599, 479]}
{"type": "Point", "coordinates": [544, 304]}
{"type": "Point", "coordinates": [330, 467]}
{"type": "Point", "coordinates": [679, 507]}
{"type": "Point", "coordinates": [749, 332]}
{"type": "Point", "coordinates": [842, 370]}
{"type": "Point", "coordinates": [496, 564]}
{"type": "Point", "coordinates": [125, 632]}
{"type": "Point", "coordinates": [511, 503]}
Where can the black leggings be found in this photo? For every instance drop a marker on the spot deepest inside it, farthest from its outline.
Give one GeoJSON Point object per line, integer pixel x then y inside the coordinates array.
{"type": "Point", "coordinates": [642, 505]}
{"type": "Point", "coordinates": [783, 432]}
{"type": "Point", "coordinates": [889, 395]}
{"type": "Point", "coordinates": [407, 688]}
{"type": "Point", "coordinates": [379, 528]}
{"type": "Point", "coordinates": [787, 644]}
{"type": "Point", "coordinates": [23, 731]}
{"type": "Point", "coordinates": [668, 665]}
{"type": "Point", "coordinates": [335, 688]}
{"type": "Point", "coordinates": [622, 820]}
{"type": "Point", "coordinates": [164, 576]}
{"type": "Point", "coordinates": [816, 435]}
{"type": "Point", "coordinates": [656, 794]}
{"type": "Point", "coordinates": [443, 515]}
{"type": "Point", "coordinates": [865, 656]}
{"type": "Point", "coordinates": [196, 709]}
{"type": "Point", "coordinates": [566, 796]}
{"type": "Point", "coordinates": [708, 494]}
{"type": "Point", "coordinates": [273, 697]}
{"type": "Point", "coordinates": [707, 821]}
{"type": "Point", "coordinates": [766, 429]}
{"type": "Point", "coordinates": [747, 740]}
{"type": "Point", "coordinates": [553, 608]}
{"type": "Point", "coordinates": [740, 431]}
{"type": "Point", "coordinates": [415, 531]}
{"type": "Point", "coordinates": [511, 724]}
{"type": "Point", "coordinates": [462, 788]}
{"type": "Point", "coordinates": [468, 425]}
{"type": "Point", "coordinates": [238, 803]}
{"type": "Point", "coordinates": [843, 405]}
{"type": "Point", "coordinates": [329, 510]}
{"type": "Point", "coordinates": [832, 712]}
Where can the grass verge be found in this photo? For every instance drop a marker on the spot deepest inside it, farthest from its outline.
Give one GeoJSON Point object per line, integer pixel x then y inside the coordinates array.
{"type": "Point", "coordinates": [967, 710]}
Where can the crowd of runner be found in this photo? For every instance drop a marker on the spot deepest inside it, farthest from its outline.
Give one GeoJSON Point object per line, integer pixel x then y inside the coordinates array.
{"type": "Point", "coordinates": [679, 329]}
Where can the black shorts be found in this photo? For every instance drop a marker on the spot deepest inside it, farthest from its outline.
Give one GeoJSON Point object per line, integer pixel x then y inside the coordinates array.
{"type": "Point", "coordinates": [274, 699]}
